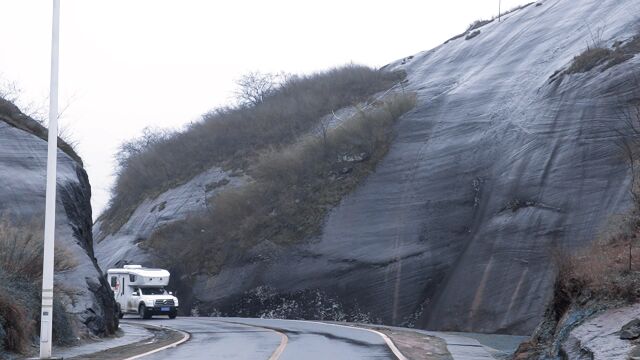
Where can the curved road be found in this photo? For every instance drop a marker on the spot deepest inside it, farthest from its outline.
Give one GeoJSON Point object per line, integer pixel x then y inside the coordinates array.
{"type": "Point", "coordinates": [270, 339]}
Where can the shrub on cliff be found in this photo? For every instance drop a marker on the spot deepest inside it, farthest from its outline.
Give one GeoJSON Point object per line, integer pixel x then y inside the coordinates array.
{"type": "Point", "coordinates": [232, 137]}
{"type": "Point", "coordinates": [293, 189]}
{"type": "Point", "coordinates": [597, 55]}
{"type": "Point", "coordinates": [16, 326]}
{"type": "Point", "coordinates": [20, 272]}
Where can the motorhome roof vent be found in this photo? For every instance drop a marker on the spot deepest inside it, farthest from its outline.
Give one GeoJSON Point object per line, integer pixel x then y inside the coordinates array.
{"type": "Point", "coordinates": [133, 266]}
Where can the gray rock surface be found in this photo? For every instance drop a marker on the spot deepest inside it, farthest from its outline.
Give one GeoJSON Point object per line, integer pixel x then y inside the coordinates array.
{"type": "Point", "coordinates": [495, 168]}
{"type": "Point", "coordinates": [113, 250]}
{"type": "Point", "coordinates": [598, 337]}
{"type": "Point", "coordinates": [22, 196]}
{"type": "Point", "coordinates": [631, 330]}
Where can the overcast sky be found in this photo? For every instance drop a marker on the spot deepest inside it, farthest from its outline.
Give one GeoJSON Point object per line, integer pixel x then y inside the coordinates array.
{"type": "Point", "coordinates": [129, 64]}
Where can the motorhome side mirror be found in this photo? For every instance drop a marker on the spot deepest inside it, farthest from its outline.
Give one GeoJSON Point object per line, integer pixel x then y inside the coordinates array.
{"type": "Point", "coordinates": [135, 293]}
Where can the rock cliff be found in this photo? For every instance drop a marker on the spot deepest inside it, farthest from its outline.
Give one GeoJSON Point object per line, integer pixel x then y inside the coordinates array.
{"type": "Point", "coordinates": [23, 154]}
{"type": "Point", "coordinates": [505, 158]}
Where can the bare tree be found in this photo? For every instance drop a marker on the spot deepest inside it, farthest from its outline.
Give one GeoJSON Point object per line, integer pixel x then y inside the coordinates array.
{"type": "Point", "coordinates": [9, 90]}
{"type": "Point", "coordinates": [254, 87]}
{"type": "Point", "coordinates": [131, 148]}
{"type": "Point", "coordinates": [35, 109]}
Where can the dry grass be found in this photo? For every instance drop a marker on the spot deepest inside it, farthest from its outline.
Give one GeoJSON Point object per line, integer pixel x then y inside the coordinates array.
{"type": "Point", "coordinates": [21, 249]}
{"type": "Point", "coordinates": [605, 271]}
{"type": "Point", "coordinates": [293, 189]}
{"type": "Point", "coordinates": [478, 24]}
{"type": "Point", "coordinates": [233, 137]}
{"type": "Point", "coordinates": [472, 31]}
{"type": "Point", "coordinates": [589, 59]}
{"type": "Point", "coordinates": [595, 56]}
{"type": "Point", "coordinates": [17, 328]}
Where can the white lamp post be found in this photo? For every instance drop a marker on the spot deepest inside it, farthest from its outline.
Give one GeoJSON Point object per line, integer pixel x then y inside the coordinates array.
{"type": "Point", "coordinates": [50, 210]}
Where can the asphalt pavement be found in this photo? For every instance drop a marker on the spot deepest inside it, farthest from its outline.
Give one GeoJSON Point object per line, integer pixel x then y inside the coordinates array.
{"type": "Point", "coordinates": [196, 338]}
{"type": "Point", "coordinates": [269, 339]}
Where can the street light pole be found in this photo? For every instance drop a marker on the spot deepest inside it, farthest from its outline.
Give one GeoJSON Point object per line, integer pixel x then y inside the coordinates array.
{"type": "Point", "coordinates": [50, 207]}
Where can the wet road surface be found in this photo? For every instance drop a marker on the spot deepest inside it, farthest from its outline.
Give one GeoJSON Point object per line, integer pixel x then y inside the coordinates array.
{"type": "Point", "coordinates": [269, 339]}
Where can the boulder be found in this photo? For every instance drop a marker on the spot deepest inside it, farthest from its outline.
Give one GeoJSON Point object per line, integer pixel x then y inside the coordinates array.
{"type": "Point", "coordinates": [631, 330]}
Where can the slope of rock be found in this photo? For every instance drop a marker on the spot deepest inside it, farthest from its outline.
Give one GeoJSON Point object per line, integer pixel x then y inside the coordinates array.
{"type": "Point", "coordinates": [599, 336]}
{"type": "Point", "coordinates": [23, 154]}
{"type": "Point", "coordinates": [123, 247]}
{"type": "Point", "coordinates": [495, 168]}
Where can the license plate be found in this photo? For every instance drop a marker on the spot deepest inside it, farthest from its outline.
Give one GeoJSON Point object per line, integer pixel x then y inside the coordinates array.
{"type": "Point", "coordinates": [165, 308]}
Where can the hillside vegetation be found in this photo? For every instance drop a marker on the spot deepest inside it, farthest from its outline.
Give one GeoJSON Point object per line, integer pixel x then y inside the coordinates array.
{"type": "Point", "coordinates": [20, 276]}
{"type": "Point", "coordinates": [597, 55]}
{"type": "Point", "coordinates": [292, 190]}
{"type": "Point", "coordinates": [233, 137]}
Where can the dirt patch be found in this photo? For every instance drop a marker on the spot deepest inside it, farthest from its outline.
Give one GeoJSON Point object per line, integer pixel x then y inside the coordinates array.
{"type": "Point", "coordinates": [414, 345]}
{"type": "Point", "coordinates": [418, 346]}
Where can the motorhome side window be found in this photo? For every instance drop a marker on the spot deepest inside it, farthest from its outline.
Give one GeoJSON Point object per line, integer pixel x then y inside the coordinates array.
{"type": "Point", "coordinates": [132, 278]}
{"type": "Point", "coordinates": [114, 280]}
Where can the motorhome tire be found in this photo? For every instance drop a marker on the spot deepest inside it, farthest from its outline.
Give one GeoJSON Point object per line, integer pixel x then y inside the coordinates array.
{"type": "Point", "coordinates": [142, 311]}
{"type": "Point", "coordinates": [172, 315]}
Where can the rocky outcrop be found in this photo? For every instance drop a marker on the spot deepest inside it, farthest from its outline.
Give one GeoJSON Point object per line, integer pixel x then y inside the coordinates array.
{"type": "Point", "coordinates": [601, 336]}
{"type": "Point", "coordinates": [495, 167]}
{"type": "Point", "coordinates": [83, 290]}
{"type": "Point", "coordinates": [631, 330]}
{"type": "Point", "coordinates": [123, 246]}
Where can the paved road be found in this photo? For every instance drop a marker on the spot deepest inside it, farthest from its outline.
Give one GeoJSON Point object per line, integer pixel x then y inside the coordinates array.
{"type": "Point", "coordinates": [133, 334]}
{"type": "Point", "coordinates": [239, 339]}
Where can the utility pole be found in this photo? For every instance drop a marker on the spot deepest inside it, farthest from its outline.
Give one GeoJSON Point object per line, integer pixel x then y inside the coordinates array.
{"type": "Point", "coordinates": [50, 207]}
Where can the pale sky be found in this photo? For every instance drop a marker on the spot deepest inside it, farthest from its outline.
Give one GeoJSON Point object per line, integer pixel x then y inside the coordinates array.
{"type": "Point", "coordinates": [129, 64]}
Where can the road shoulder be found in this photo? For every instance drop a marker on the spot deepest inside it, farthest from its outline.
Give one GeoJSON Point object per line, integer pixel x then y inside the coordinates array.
{"type": "Point", "coordinates": [457, 346]}
{"type": "Point", "coordinates": [415, 345]}
{"type": "Point", "coordinates": [160, 339]}
{"type": "Point", "coordinates": [126, 335]}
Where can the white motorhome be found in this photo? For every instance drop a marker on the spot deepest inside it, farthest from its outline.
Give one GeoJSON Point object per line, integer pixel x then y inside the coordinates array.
{"type": "Point", "coordinates": [141, 291]}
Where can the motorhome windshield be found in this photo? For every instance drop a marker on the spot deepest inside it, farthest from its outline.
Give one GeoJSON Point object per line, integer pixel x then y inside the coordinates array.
{"type": "Point", "coordinates": [152, 291]}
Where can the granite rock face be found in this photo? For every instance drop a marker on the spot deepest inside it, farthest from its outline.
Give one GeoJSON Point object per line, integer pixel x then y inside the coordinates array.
{"type": "Point", "coordinates": [23, 158]}
{"type": "Point", "coordinates": [599, 337]}
{"type": "Point", "coordinates": [496, 167]}
{"type": "Point", "coordinates": [631, 330]}
{"type": "Point", "coordinates": [122, 247]}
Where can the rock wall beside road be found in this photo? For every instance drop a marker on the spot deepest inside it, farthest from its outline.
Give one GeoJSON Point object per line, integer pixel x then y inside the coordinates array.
{"type": "Point", "coordinates": [23, 156]}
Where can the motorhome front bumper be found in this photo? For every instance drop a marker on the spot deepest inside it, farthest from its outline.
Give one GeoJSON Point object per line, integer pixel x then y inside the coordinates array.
{"type": "Point", "coordinates": [163, 310]}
